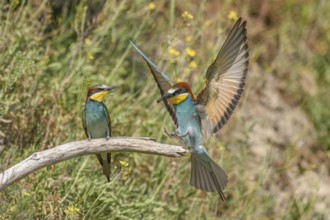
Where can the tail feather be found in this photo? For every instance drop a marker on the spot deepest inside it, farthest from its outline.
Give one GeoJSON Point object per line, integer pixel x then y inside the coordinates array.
{"type": "Point", "coordinates": [208, 176]}
{"type": "Point", "coordinates": [105, 163]}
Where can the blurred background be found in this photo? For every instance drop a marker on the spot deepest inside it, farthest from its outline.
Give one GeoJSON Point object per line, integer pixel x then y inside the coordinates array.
{"type": "Point", "coordinates": [275, 148]}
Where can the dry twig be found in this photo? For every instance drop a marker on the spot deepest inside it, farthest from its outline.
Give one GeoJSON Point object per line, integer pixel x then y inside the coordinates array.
{"type": "Point", "coordinates": [70, 150]}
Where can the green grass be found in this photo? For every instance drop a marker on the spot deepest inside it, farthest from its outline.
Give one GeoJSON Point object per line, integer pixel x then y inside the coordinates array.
{"type": "Point", "coordinates": [49, 58]}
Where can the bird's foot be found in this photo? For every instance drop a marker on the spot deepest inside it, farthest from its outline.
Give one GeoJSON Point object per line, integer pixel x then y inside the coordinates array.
{"type": "Point", "coordinates": [182, 135]}
{"type": "Point", "coordinates": [107, 138]}
{"type": "Point", "coordinates": [176, 133]}
{"type": "Point", "coordinates": [170, 134]}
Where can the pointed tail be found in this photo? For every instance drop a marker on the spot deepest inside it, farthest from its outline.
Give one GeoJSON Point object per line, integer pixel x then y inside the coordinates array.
{"type": "Point", "coordinates": [105, 162]}
{"type": "Point", "coordinates": [207, 175]}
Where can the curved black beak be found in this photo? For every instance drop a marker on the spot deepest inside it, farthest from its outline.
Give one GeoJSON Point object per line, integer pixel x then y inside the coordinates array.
{"type": "Point", "coordinates": [165, 97]}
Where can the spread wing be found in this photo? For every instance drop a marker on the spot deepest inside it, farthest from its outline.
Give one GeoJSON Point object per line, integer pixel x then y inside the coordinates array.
{"type": "Point", "coordinates": [225, 81]}
{"type": "Point", "coordinates": [163, 82]}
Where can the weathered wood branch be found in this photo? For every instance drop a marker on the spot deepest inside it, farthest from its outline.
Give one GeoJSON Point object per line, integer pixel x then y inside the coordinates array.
{"type": "Point", "coordinates": [70, 150]}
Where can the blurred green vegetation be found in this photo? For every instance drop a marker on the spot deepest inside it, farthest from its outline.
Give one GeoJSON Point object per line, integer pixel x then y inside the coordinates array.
{"type": "Point", "coordinates": [51, 51]}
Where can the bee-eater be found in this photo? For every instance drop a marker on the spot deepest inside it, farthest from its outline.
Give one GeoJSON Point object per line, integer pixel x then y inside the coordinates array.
{"type": "Point", "coordinates": [209, 112]}
{"type": "Point", "coordinates": [96, 121]}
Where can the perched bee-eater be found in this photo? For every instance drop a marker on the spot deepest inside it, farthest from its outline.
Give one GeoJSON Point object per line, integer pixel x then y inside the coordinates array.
{"type": "Point", "coordinates": [96, 121]}
{"type": "Point", "coordinates": [212, 108]}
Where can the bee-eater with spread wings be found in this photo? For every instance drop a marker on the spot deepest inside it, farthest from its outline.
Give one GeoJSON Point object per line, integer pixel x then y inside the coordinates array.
{"type": "Point", "coordinates": [96, 121]}
{"type": "Point", "coordinates": [210, 110]}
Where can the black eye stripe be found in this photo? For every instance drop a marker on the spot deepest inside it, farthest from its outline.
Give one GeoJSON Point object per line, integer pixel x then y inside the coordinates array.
{"type": "Point", "coordinates": [180, 91]}
{"type": "Point", "coordinates": [99, 89]}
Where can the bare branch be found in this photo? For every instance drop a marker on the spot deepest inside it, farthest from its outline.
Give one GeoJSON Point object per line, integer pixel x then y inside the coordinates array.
{"type": "Point", "coordinates": [70, 150]}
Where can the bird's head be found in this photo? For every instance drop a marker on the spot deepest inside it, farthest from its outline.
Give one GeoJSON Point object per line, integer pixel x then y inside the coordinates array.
{"type": "Point", "coordinates": [177, 93]}
{"type": "Point", "coordinates": [97, 93]}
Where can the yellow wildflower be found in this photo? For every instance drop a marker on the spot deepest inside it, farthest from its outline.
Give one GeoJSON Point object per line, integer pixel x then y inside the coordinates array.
{"type": "Point", "coordinates": [188, 39]}
{"type": "Point", "coordinates": [173, 52]}
{"type": "Point", "coordinates": [90, 56]}
{"type": "Point", "coordinates": [27, 194]}
{"type": "Point", "coordinates": [12, 209]}
{"type": "Point", "coordinates": [123, 163]}
{"type": "Point", "coordinates": [151, 6]}
{"type": "Point", "coordinates": [187, 16]}
{"type": "Point", "coordinates": [190, 52]}
{"type": "Point", "coordinates": [71, 210]}
{"type": "Point", "coordinates": [88, 42]}
{"type": "Point", "coordinates": [207, 23]}
{"type": "Point", "coordinates": [232, 15]}
{"type": "Point", "coordinates": [193, 65]}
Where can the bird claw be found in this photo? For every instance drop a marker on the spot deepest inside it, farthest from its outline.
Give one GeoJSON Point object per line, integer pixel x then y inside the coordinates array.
{"type": "Point", "coordinates": [170, 134]}
{"type": "Point", "coordinates": [183, 135]}
{"type": "Point", "coordinates": [107, 138]}
{"type": "Point", "coordinates": [176, 134]}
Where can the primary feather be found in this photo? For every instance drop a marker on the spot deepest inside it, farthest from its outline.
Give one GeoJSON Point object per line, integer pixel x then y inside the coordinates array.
{"type": "Point", "coordinates": [225, 81]}
{"type": "Point", "coordinates": [163, 82]}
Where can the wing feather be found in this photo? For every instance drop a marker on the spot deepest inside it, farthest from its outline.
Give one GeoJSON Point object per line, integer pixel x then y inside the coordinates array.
{"type": "Point", "coordinates": [225, 81]}
{"type": "Point", "coordinates": [106, 113]}
{"type": "Point", "coordinates": [84, 120]}
{"type": "Point", "coordinates": [163, 82]}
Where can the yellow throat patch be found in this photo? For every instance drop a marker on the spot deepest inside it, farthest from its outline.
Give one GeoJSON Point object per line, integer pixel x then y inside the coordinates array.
{"type": "Point", "coordinates": [99, 96]}
{"type": "Point", "coordinates": [178, 99]}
